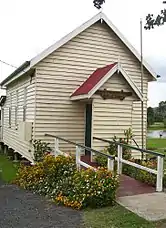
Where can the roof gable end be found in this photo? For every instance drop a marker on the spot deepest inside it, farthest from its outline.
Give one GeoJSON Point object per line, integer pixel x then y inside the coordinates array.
{"type": "Point", "coordinates": [100, 16]}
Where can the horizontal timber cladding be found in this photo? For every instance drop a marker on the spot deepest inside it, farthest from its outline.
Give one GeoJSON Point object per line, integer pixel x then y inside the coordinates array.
{"type": "Point", "coordinates": [137, 123]}
{"type": "Point", "coordinates": [63, 71]}
{"type": "Point", "coordinates": [116, 117]}
{"type": "Point", "coordinates": [15, 97]}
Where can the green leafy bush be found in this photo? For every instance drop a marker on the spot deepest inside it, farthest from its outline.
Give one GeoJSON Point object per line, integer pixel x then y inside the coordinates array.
{"type": "Point", "coordinates": [40, 149]}
{"type": "Point", "coordinates": [59, 179]}
{"type": "Point", "coordinates": [113, 150]}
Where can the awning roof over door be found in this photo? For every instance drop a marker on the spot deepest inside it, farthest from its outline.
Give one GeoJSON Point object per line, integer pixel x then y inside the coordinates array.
{"type": "Point", "coordinates": [98, 78]}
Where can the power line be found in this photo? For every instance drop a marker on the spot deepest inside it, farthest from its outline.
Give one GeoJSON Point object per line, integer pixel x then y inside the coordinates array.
{"type": "Point", "coordinates": [8, 64]}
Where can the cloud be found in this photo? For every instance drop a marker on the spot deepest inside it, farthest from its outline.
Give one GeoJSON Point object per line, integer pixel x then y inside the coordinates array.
{"type": "Point", "coordinates": [159, 65]}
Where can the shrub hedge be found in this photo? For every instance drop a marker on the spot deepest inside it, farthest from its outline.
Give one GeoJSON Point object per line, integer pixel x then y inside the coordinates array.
{"type": "Point", "coordinates": [59, 179]}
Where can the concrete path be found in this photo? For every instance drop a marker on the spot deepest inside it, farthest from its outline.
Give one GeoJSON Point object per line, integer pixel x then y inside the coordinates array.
{"type": "Point", "coordinates": [22, 209]}
{"type": "Point", "coordinates": [151, 206]}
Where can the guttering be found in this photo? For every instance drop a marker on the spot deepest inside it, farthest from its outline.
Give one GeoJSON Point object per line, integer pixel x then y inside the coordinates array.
{"type": "Point", "coordinates": [17, 71]}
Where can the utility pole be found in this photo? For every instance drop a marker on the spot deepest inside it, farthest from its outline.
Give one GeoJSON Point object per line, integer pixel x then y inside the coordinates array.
{"type": "Point", "coordinates": [142, 88]}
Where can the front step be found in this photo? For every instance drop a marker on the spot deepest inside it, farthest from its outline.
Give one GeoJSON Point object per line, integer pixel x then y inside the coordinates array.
{"type": "Point", "coordinates": [86, 159]}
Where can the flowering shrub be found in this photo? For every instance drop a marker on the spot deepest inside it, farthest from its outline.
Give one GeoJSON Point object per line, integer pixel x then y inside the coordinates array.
{"type": "Point", "coordinates": [42, 176]}
{"type": "Point", "coordinates": [90, 189]}
{"type": "Point", "coordinates": [59, 179]}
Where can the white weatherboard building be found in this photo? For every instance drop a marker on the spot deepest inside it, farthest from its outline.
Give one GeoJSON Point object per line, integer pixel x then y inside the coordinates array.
{"type": "Point", "coordinates": [86, 85]}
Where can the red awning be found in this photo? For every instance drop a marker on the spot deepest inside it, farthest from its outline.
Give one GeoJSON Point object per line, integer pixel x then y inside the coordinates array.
{"type": "Point", "coordinates": [93, 80]}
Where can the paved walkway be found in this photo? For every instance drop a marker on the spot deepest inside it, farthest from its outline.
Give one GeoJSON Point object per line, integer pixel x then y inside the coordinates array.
{"type": "Point", "coordinates": [141, 199]}
{"type": "Point", "coordinates": [151, 206]}
{"type": "Point", "coordinates": [129, 187]}
{"type": "Point", "coordinates": [22, 209]}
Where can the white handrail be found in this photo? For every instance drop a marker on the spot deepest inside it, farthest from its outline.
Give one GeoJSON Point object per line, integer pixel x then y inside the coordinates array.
{"type": "Point", "coordinates": [80, 163]}
{"type": "Point", "coordinates": [158, 172]}
{"type": "Point", "coordinates": [57, 151]}
{"type": "Point", "coordinates": [120, 161]}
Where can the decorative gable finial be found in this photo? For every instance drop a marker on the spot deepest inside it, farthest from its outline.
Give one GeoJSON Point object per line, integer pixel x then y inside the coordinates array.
{"type": "Point", "coordinates": [101, 18]}
{"type": "Point", "coordinates": [118, 64]}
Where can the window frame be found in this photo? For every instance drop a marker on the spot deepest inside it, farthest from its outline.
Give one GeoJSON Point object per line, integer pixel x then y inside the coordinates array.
{"type": "Point", "coordinates": [25, 105]}
{"type": "Point", "coordinates": [16, 110]}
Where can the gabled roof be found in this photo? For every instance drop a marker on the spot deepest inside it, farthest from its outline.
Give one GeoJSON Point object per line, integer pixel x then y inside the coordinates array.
{"type": "Point", "coordinates": [98, 78]}
{"type": "Point", "coordinates": [45, 53]}
{"type": "Point", "coordinates": [92, 81]}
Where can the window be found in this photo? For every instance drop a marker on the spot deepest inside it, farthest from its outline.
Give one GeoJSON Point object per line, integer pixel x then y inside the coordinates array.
{"type": "Point", "coordinates": [16, 110]}
{"type": "Point", "coordinates": [10, 107]}
{"type": "Point", "coordinates": [24, 106]}
{"type": "Point", "coordinates": [9, 116]}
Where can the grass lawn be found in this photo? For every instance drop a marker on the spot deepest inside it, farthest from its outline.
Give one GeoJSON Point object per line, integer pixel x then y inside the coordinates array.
{"type": "Point", "coordinates": [117, 217]}
{"type": "Point", "coordinates": [156, 126]}
{"type": "Point", "coordinates": [157, 144]}
{"type": "Point", "coordinates": [8, 168]}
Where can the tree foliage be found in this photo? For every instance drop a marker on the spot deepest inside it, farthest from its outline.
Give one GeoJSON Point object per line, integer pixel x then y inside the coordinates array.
{"type": "Point", "coordinates": [150, 116]}
{"type": "Point", "coordinates": [151, 20]}
{"type": "Point", "coordinates": [98, 3]}
{"type": "Point", "coordinates": [157, 114]}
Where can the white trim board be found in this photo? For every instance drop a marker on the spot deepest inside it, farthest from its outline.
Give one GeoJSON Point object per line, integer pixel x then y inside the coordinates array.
{"type": "Point", "coordinates": [116, 68]}
{"type": "Point", "coordinates": [74, 33]}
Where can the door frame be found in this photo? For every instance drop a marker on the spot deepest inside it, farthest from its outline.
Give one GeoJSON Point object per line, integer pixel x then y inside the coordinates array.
{"type": "Point", "coordinates": [91, 103]}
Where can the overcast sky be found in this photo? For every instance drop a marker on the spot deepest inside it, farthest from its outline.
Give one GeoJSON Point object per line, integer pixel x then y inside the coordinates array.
{"type": "Point", "coordinates": [28, 27]}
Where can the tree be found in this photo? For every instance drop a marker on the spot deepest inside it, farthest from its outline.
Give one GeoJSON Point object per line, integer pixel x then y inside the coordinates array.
{"type": "Point", "coordinates": [151, 20]}
{"type": "Point", "coordinates": [98, 3]}
{"type": "Point", "coordinates": [164, 121]}
{"type": "Point", "coordinates": [150, 116]}
{"type": "Point", "coordinates": [162, 109]}
{"type": "Point", "coordinates": [158, 20]}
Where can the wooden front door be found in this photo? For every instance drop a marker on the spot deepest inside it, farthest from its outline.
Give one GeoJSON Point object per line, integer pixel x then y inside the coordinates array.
{"type": "Point", "coordinates": [88, 126]}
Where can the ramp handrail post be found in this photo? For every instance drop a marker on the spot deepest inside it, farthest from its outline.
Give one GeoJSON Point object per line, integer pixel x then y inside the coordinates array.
{"type": "Point", "coordinates": [119, 162]}
{"type": "Point", "coordinates": [56, 146]}
{"type": "Point", "coordinates": [78, 154]}
{"type": "Point", "coordinates": [110, 164]}
{"type": "Point", "coordinates": [91, 156]}
{"type": "Point", "coordinates": [159, 181]}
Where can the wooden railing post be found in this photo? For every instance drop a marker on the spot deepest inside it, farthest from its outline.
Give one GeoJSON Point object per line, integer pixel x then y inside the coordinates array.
{"type": "Point", "coordinates": [159, 182]}
{"type": "Point", "coordinates": [110, 164]}
{"type": "Point", "coordinates": [78, 154]}
{"type": "Point", "coordinates": [119, 162]}
{"type": "Point", "coordinates": [56, 147]}
{"type": "Point", "coordinates": [91, 156]}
